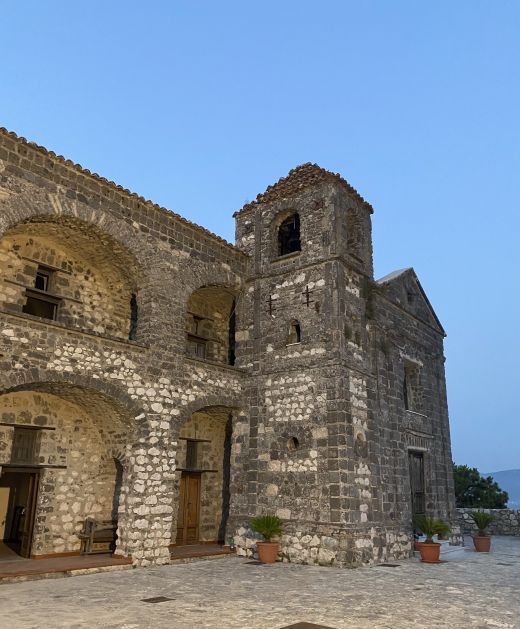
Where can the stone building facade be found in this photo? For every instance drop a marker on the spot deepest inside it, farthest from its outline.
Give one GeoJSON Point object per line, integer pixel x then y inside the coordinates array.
{"type": "Point", "coordinates": [157, 377]}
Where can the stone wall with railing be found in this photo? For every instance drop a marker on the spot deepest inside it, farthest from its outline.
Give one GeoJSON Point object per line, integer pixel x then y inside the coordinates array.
{"type": "Point", "coordinates": [506, 522]}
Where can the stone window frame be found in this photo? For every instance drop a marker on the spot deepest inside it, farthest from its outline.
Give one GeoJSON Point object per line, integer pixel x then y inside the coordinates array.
{"type": "Point", "coordinates": [45, 294]}
{"type": "Point", "coordinates": [276, 223]}
{"type": "Point", "coordinates": [295, 331]}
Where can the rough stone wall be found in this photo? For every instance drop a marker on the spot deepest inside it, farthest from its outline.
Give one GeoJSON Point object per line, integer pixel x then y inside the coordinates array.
{"type": "Point", "coordinates": [344, 493]}
{"type": "Point", "coordinates": [320, 435]}
{"type": "Point", "coordinates": [318, 392]}
{"type": "Point", "coordinates": [92, 299]}
{"type": "Point", "coordinates": [150, 382]}
{"type": "Point", "coordinates": [506, 522]}
{"type": "Point", "coordinates": [404, 334]}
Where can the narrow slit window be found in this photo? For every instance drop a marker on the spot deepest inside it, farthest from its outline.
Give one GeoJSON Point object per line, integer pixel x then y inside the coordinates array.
{"type": "Point", "coordinates": [191, 454]}
{"type": "Point", "coordinates": [412, 391]}
{"type": "Point", "coordinates": [133, 317]}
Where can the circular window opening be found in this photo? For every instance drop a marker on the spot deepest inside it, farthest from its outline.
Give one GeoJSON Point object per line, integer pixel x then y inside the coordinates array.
{"type": "Point", "coordinates": [292, 443]}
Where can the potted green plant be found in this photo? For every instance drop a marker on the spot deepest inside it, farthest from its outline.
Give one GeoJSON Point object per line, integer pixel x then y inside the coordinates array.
{"type": "Point", "coordinates": [430, 550]}
{"type": "Point", "coordinates": [269, 526]}
{"type": "Point", "coordinates": [482, 541]}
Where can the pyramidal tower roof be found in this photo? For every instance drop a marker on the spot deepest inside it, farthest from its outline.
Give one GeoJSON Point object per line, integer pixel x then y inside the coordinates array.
{"type": "Point", "coordinates": [303, 176]}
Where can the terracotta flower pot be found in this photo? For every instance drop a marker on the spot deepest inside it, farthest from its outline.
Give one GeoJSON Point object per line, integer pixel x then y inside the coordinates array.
{"type": "Point", "coordinates": [417, 545]}
{"type": "Point", "coordinates": [482, 543]}
{"type": "Point", "coordinates": [268, 551]}
{"type": "Point", "coordinates": [430, 553]}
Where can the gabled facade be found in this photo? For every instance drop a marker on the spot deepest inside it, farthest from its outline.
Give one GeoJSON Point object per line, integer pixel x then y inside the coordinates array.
{"type": "Point", "coordinates": [157, 379]}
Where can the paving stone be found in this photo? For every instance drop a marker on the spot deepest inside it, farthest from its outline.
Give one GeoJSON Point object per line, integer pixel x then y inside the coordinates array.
{"type": "Point", "coordinates": [470, 591]}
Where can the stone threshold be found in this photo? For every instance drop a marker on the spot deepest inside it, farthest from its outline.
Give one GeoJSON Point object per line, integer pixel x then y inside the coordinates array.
{"type": "Point", "coordinates": [58, 574]}
{"type": "Point", "coordinates": [184, 554]}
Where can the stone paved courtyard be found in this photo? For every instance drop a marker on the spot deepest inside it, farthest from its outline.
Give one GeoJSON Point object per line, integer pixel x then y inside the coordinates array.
{"type": "Point", "coordinates": [469, 590]}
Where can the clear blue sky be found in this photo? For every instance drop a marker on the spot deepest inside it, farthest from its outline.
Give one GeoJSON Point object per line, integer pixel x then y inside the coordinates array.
{"type": "Point", "coordinates": [199, 105]}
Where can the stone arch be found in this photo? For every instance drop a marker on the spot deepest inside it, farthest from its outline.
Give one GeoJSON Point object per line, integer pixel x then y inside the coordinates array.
{"type": "Point", "coordinates": [42, 207]}
{"type": "Point", "coordinates": [210, 321]}
{"type": "Point", "coordinates": [119, 454]}
{"type": "Point", "coordinates": [47, 380]}
{"type": "Point", "coordinates": [92, 434]}
{"type": "Point", "coordinates": [117, 259]}
{"type": "Point", "coordinates": [228, 400]}
{"type": "Point", "coordinates": [285, 231]}
{"type": "Point", "coordinates": [203, 474]}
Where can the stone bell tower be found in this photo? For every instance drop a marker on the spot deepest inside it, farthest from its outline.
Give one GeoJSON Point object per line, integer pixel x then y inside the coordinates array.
{"type": "Point", "coordinates": [303, 338]}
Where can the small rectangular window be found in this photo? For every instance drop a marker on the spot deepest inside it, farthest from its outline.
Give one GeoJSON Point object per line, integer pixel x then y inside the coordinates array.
{"type": "Point", "coordinates": [197, 348]}
{"type": "Point", "coordinates": [40, 307]}
{"type": "Point", "coordinates": [191, 455]}
{"type": "Point", "coordinates": [42, 281]}
{"type": "Point", "coordinates": [38, 304]}
{"type": "Point", "coordinates": [412, 392]}
{"type": "Point", "coordinates": [24, 445]}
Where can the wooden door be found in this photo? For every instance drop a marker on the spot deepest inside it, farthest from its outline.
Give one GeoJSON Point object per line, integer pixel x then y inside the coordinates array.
{"type": "Point", "coordinates": [189, 509]}
{"type": "Point", "coordinates": [416, 464]}
{"type": "Point", "coordinates": [29, 514]}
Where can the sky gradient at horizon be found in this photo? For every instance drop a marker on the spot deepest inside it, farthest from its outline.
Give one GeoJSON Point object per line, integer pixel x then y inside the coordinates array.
{"type": "Point", "coordinates": [199, 106]}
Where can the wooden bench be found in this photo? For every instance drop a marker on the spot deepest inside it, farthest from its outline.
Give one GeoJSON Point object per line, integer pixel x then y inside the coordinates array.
{"type": "Point", "coordinates": [98, 536]}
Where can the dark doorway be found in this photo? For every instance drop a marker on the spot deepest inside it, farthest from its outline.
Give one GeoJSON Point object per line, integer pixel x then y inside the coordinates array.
{"type": "Point", "coordinates": [18, 495]}
{"type": "Point", "coordinates": [416, 466]}
{"type": "Point", "coordinates": [117, 490]}
{"type": "Point", "coordinates": [189, 509]}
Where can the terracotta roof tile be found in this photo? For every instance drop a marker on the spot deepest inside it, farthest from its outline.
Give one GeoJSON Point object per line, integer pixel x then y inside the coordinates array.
{"type": "Point", "coordinates": [299, 178]}
{"type": "Point", "coordinates": [84, 171]}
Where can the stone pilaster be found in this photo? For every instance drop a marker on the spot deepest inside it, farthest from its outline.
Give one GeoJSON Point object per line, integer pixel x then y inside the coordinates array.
{"type": "Point", "coordinates": [146, 506]}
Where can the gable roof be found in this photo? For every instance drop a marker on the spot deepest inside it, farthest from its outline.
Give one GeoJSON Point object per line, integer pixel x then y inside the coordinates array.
{"type": "Point", "coordinates": [399, 277]}
{"type": "Point", "coordinates": [299, 178]}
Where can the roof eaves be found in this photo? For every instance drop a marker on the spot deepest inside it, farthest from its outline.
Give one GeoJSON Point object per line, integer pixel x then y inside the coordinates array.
{"type": "Point", "coordinates": [328, 177]}
{"type": "Point", "coordinates": [84, 171]}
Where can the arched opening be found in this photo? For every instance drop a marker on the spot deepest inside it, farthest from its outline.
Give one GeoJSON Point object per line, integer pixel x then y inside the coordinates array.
{"type": "Point", "coordinates": [203, 477]}
{"type": "Point", "coordinates": [294, 335]}
{"type": "Point", "coordinates": [118, 483]}
{"type": "Point", "coordinates": [293, 444]}
{"type": "Point", "coordinates": [70, 272]}
{"type": "Point", "coordinates": [289, 240]}
{"type": "Point", "coordinates": [58, 471]}
{"type": "Point", "coordinates": [210, 325]}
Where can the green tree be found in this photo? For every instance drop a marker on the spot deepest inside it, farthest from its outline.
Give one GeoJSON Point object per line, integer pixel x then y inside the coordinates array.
{"type": "Point", "coordinates": [476, 491]}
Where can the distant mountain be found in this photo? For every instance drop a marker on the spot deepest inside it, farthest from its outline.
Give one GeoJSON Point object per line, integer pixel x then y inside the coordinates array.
{"type": "Point", "coordinates": [509, 480]}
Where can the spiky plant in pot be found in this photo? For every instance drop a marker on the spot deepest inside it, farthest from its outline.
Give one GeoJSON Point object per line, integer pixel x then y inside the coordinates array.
{"type": "Point", "coordinates": [482, 540]}
{"type": "Point", "coordinates": [430, 550]}
{"type": "Point", "coordinates": [268, 526]}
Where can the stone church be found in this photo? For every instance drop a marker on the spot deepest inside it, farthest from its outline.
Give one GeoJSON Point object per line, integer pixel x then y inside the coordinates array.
{"type": "Point", "coordinates": [162, 380]}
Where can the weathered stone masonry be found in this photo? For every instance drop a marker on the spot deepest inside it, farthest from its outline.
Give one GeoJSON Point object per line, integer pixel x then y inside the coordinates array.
{"type": "Point", "coordinates": [299, 349]}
